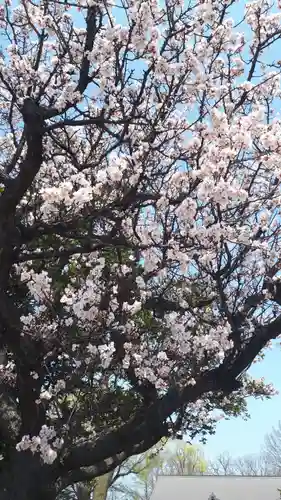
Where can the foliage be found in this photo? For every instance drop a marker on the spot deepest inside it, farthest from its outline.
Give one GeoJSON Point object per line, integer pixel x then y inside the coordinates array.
{"type": "Point", "coordinates": [175, 458]}
{"type": "Point", "coordinates": [139, 227]}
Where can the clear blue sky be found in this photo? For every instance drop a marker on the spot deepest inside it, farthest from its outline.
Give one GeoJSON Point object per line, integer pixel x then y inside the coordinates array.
{"type": "Point", "coordinates": [241, 437]}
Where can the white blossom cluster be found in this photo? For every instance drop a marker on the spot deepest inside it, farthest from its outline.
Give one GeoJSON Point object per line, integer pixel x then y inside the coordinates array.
{"type": "Point", "coordinates": [41, 444]}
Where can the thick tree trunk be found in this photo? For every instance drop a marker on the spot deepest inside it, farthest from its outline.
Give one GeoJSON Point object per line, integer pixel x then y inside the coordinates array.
{"type": "Point", "coordinates": [101, 487]}
{"type": "Point", "coordinates": [23, 477]}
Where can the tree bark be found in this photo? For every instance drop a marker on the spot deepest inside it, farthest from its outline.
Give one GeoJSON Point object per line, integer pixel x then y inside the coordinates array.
{"type": "Point", "coordinates": [101, 487]}
{"type": "Point", "coordinates": [25, 478]}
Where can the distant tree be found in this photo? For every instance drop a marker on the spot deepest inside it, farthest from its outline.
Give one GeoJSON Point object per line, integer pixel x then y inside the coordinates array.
{"type": "Point", "coordinates": [253, 465]}
{"type": "Point", "coordinates": [185, 460]}
{"type": "Point", "coordinates": [176, 459]}
{"type": "Point", "coordinates": [272, 448]}
{"type": "Point", "coordinates": [245, 465]}
{"type": "Point", "coordinates": [222, 465]}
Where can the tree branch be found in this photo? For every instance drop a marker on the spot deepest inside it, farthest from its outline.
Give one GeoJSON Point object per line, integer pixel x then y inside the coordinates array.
{"type": "Point", "coordinates": [34, 125]}
{"type": "Point", "coordinates": [107, 465]}
{"type": "Point", "coordinates": [92, 28]}
{"type": "Point", "coordinates": [9, 416]}
{"type": "Point", "coordinates": [150, 427]}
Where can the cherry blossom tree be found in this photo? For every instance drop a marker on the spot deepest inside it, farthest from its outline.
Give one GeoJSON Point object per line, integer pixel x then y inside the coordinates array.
{"type": "Point", "coordinates": [139, 227]}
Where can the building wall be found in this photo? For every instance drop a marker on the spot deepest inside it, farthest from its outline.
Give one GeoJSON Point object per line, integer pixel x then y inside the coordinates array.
{"type": "Point", "coordinates": [224, 487]}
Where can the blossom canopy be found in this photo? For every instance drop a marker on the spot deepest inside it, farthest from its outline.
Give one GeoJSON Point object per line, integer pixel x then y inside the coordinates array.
{"type": "Point", "coordinates": [140, 152]}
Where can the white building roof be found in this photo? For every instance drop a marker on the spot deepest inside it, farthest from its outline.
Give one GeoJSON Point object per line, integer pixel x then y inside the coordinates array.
{"type": "Point", "coordinates": [223, 487]}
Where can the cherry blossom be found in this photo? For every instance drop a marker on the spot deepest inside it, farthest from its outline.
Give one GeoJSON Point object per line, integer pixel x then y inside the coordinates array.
{"type": "Point", "coordinates": [140, 153]}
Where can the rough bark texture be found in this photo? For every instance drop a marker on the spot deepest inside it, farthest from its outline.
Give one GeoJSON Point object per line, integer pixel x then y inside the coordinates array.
{"type": "Point", "coordinates": [24, 478]}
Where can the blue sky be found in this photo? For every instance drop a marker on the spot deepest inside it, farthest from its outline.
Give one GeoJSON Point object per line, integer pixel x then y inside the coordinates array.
{"type": "Point", "coordinates": [240, 437]}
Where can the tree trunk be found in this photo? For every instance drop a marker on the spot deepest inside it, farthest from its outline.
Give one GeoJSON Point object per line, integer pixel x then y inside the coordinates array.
{"type": "Point", "coordinates": [83, 492]}
{"type": "Point", "coordinates": [101, 487]}
{"type": "Point", "coordinates": [23, 477]}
